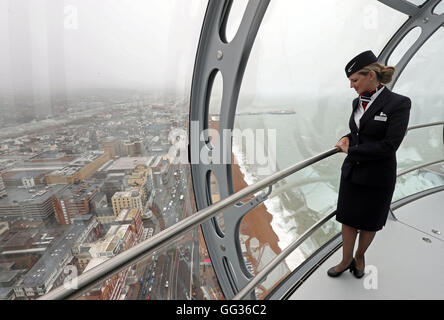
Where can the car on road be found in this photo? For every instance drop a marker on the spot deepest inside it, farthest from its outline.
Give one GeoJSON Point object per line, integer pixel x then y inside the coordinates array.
{"type": "Point", "coordinates": [166, 284]}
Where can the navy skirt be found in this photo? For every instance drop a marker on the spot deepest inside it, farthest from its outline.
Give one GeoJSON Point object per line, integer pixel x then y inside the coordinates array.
{"type": "Point", "coordinates": [363, 207]}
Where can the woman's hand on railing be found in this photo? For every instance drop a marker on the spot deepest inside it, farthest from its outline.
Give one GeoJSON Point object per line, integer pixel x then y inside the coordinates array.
{"type": "Point", "coordinates": [343, 144]}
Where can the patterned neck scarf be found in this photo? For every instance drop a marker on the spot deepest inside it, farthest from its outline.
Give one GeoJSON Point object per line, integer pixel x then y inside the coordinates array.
{"type": "Point", "coordinates": [366, 96]}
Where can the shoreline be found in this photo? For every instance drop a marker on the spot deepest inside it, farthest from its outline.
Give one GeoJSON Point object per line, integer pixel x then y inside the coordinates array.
{"type": "Point", "coordinates": [256, 223]}
{"type": "Point", "coordinates": [256, 232]}
{"type": "Point", "coordinates": [258, 240]}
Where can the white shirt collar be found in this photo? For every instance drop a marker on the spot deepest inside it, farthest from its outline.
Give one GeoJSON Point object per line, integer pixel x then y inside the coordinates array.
{"type": "Point", "coordinates": [372, 98]}
{"type": "Point", "coordinates": [359, 112]}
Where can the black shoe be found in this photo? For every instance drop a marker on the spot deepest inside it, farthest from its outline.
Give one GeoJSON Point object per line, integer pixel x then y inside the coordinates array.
{"type": "Point", "coordinates": [333, 273]}
{"type": "Point", "coordinates": [358, 273]}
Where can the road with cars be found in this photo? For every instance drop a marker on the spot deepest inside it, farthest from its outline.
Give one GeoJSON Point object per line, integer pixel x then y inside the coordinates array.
{"type": "Point", "coordinates": [172, 272]}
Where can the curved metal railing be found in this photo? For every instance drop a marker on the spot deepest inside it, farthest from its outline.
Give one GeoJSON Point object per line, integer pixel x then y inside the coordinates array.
{"type": "Point", "coordinates": [419, 167]}
{"type": "Point", "coordinates": [431, 124]}
{"type": "Point", "coordinates": [125, 259]}
{"type": "Point", "coordinates": [287, 251]}
{"type": "Point", "coordinates": [91, 278]}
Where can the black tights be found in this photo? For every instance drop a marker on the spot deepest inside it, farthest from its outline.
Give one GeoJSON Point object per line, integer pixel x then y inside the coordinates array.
{"type": "Point", "coordinates": [349, 235]}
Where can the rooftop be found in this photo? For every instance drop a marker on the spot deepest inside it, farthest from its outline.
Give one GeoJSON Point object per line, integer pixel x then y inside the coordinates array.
{"type": "Point", "coordinates": [67, 171]}
{"type": "Point", "coordinates": [79, 191]}
{"type": "Point", "coordinates": [53, 154]}
{"type": "Point", "coordinates": [24, 251]}
{"type": "Point", "coordinates": [78, 163]}
{"type": "Point", "coordinates": [130, 163]}
{"type": "Point", "coordinates": [82, 218]}
{"type": "Point", "coordinates": [87, 158]}
{"type": "Point", "coordinates": [37, 167]}
{"type": "Point", "coordinates": [26, 173]}
{"type": "Point", "coordinates": [106, 165]}
{"type": "Point", "coordinates": [112, 239]}
{"type": "Point", "coordinates": [126, 194]}
{"type": "Point", "coordinates": [5, 266]}
{"type": "Point", "coordinates": [35, 195]}
{"type": "Point", "coordinates": [122, 215]}
{"type": "Point", "coordinates": [19, 239]}
{"type": "Point", "coordinates": [4, 292]}
{"type": "Point", "coordinates": [53, 257]}
{"type": "Point", "coordinates": [7, 276]}
{"type": "Point", "coordinates": [115, 176]}
{"type": "Point", "coordinates": [127, 214]}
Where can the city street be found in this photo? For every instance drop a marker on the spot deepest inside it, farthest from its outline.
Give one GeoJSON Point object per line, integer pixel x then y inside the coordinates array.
{"type": "Point", "coordinates": [168, 274]}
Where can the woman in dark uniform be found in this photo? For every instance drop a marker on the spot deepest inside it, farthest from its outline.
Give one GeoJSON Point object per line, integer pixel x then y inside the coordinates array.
{"type": "Point", "coordinates": [378, 124]}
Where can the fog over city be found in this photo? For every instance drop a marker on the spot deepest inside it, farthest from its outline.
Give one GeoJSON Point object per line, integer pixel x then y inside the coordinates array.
{"type": "Point", "coordinates": [57, 53]}
{"type": "Point", "coordinates": [52, 47]}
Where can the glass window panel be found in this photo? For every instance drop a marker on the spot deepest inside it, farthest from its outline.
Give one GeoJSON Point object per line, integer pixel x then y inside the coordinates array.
{"type": "Point", "coordinates": [235, 18]}
{"type": "Point", "coordinates": [181, 270]}
{"type": "Point", "coordinates": [94, 95]}
{"type": "Point", "coordinates": [404, 45]}
{"type": "Point", "coordinates": [214, 195]}
{"type": "Point", "coordinates": [422, 83]}
{"type": "Point", "coordinates": [419, 147]}
{"type": "Point", "coordinates": [214, 106]}
{"type": "Point", "coordinates": [295, 84]}
{"type": "Point", "coordinates": [284, 269]}
{"type": "Point", "coordinates": [439, 9]}
{"type": "Point", "coordinates": [417, 2]}
{"type": "Point", "coordinates": [420, 180]}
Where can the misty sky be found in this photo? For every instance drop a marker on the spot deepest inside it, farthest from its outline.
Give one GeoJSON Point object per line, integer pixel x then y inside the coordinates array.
{"type": "Point", "coordinates": [100, 43]}
{"type": "Point", "coordinates": [301, 49]}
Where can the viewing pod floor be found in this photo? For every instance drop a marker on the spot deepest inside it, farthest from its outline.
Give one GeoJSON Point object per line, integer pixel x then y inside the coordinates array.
{"type": "Point", "coordinates": [405, 260]}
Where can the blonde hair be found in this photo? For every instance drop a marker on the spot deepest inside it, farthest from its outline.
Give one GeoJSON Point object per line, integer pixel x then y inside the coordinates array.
{"type": "Point", "coordinates": [384, 73]}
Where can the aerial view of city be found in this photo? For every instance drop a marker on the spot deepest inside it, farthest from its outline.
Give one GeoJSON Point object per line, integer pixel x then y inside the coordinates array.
{"type": "Point", "coordinates": [79, 189]}
{"type": "Point", "coordinates": [89, 96]}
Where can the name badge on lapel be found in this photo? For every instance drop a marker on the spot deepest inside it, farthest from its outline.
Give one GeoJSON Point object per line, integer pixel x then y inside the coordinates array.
{"type": "Point", "coordinates": [381, 117]}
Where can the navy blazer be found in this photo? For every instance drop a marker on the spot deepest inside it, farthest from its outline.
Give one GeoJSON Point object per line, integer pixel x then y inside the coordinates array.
{"type": "Point", "coordinates": [371, 158]}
